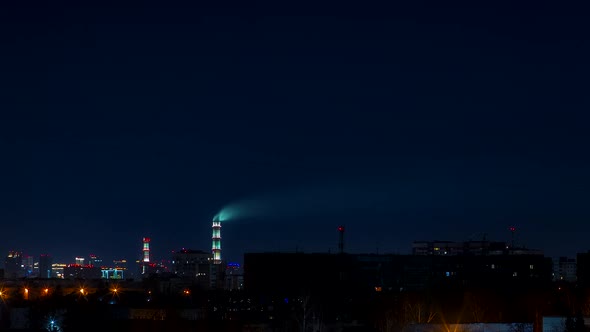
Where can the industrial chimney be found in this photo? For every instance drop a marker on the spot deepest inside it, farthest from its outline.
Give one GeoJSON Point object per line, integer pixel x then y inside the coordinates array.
{"type": "Point", "coordinates": [216, 239]}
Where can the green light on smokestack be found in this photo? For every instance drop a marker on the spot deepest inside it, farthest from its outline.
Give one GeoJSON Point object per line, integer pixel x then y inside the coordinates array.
{"type": "Point", "coordinates": [216, 240]}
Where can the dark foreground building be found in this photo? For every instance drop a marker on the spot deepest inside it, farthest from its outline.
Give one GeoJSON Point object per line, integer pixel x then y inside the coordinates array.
{"type": "Point", "coordinates": [288, 273]}
{"type": "Point", "coordinates": [583, 269]}
{"type": "Point", "coordinates": [392, 289]}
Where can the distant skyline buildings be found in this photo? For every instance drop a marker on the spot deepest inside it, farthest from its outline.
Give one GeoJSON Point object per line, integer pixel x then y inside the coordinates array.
{"type": "Point", "coordinates": [29, 264]}
{"type": "Point", "coordinates": [196, 265]}
{"type": "Point", "coordinates": [202, 268]}
{"type": "Point", "coordinates": [200, 265]}
{"type": "Point", "coordinates": [94, 260]}
{"type": "Point", "coordinates": [13, 265]}
{"type": "Point", "coordinates": [45, 266]}
{"type": "Point", "coordinates": [156, 251]}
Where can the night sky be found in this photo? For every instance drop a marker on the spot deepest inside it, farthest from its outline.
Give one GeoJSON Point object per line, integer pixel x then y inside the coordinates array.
{"type": "Point", "coordinates": [423, 121]}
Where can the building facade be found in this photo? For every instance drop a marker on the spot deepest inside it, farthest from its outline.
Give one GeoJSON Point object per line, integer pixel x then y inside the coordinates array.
{"type": "Point", "coordinates": [76, 271]}
{"type": "Point", "coordinates": [45, 266]}
{"type": "Point", "coordinates": [564, 269]}
{"type": "Point", "coordinates": [196, 265]}
{"type": "Point", "coordinates": [13, 265]}
{"type": "Point", "coordinates": [290, 273]}
{"type": "Point", "coordinates": [475, 248]}
{"type": "Point", "coordinates": [583, 269]}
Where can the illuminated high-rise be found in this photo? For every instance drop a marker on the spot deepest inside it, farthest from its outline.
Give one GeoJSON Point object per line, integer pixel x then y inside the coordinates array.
{"type": "Point", "coordinates": [45, 266]}
{"type": "Point", "coordinates": [216, 239]}
{"type": "Point", "coordinates": [94, 260]}
{"type": "Point", "coordinates": [28, 264]}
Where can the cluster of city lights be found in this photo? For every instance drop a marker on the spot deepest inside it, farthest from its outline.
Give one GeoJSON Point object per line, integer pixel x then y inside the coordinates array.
{"type": "Point", "coordinates": [81, 291]}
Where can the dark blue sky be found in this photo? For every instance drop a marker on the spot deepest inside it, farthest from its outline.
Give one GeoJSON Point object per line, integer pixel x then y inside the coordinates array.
{"type": "Point", "coordinates": [430, 120]}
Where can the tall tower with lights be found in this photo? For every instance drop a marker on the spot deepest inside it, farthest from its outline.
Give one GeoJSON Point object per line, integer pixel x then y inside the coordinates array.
{"type": "Point", "coordinates": [216, 239]}
{"type": "Point", "coordinates": [512, 230]}
{"type": "Point", "coordinates": [146, 255]}
{"type": "Point", "coordinates": [340, 239]}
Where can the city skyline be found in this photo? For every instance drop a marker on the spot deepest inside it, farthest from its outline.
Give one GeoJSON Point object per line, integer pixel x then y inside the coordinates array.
{"type": "Point", "coordinates": [165, 255]}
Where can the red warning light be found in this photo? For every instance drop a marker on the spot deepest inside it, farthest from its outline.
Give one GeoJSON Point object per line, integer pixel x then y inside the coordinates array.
{"type": "Point", "coordinates": [341, 228]}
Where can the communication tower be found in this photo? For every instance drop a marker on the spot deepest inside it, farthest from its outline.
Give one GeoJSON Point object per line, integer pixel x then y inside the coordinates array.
{"type": "Point", "coordinates": [341, 239]}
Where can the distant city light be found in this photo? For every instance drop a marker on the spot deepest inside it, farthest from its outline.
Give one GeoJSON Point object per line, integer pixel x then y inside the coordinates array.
{"type": "Point", "coordinates": [52, 326]}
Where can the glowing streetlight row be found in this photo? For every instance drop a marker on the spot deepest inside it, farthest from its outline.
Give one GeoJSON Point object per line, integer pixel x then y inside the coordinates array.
{"type": "Point", "coordinates": [82, 291]}
{"type": "Point", "coordinates": [45, 291]}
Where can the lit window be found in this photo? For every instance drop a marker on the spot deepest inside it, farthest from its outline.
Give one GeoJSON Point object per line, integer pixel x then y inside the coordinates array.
{"type": "Point", "coordinates": [515, 274]}
{"type": "Point", "coordinates": [531, 266]}
{"type": "Point", "coordinates": [493, 266]}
